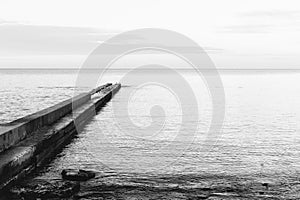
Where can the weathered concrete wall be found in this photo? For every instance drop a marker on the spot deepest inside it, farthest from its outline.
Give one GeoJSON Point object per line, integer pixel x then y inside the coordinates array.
{"type": "Point", "coordinates": [14, 132]}
{"type": "Point", "coordinates": [42, 144]}
{"type": "Point", "coordinates": [100, 88]}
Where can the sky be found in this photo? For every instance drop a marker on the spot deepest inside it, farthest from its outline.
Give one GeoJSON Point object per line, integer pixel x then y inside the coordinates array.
{"type": "Point", "coordinates": [236, 34]}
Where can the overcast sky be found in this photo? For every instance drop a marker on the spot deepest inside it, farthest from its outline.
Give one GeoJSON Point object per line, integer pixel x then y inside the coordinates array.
{"type": "Point", "coordinates": [235, 33]}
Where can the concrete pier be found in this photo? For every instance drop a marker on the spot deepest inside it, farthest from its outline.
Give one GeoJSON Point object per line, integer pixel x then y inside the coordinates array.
{"type": "Point", "coordinates": [28, 142]}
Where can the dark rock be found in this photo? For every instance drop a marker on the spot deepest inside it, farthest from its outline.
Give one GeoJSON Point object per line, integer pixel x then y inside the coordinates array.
{"type": "Point", "coordinates": [206, 189]}
{"type": "Point", "coordinates": [199, 196]}
{"type": "Point", "coordinates": [266, 185]}
{"type": "Point", "coordinates": [46, 190]}
{"type": "Point", "coordinates": [77, 175]}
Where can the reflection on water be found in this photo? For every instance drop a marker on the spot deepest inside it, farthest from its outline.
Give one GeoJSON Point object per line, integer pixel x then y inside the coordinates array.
{"type": "Point", "coordinates": [259, 142]}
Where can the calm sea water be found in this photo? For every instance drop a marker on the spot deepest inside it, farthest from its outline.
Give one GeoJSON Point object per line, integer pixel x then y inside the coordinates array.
{"type": "Point", "coordinates": [260, 139]}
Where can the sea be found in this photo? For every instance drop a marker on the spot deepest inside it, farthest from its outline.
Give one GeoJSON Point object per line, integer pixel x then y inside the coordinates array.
{"type": "Point", "coordinates": [156, 139]}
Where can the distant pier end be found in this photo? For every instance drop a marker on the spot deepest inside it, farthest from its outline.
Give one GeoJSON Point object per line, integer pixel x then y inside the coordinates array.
{"type": "Point", "coordinates": [28, 142]}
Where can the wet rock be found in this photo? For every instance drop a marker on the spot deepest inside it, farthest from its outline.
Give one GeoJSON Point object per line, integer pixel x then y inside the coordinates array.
{"type": "Point", "coordinates": [77, 175]}
{"type": "Point", "coordinates": [46, 190]}
{"type": "Point", "coordinates": [89, 195]}
{"type": "Point", "coordinates": [266, 185]}
{"type": "Point", "coordinates": [198, 197]}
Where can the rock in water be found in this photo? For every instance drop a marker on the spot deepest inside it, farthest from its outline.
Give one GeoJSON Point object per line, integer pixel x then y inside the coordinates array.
{"type": "Point", "coordinates": [40, 189]}
{"type": "Point", "coordinates": [77, 175]}
{"type": "Point", "coordinates": [266, 185]}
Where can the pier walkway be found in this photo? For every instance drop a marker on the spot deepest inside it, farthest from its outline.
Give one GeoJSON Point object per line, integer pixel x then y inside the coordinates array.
{"type": "Point", "coordinates": [29, 142]}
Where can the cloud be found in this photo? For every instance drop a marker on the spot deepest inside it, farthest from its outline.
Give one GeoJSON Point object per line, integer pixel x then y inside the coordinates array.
{"type": "Point", "coordinates": [134, 41]}
{"type": "Point", "coordinates": [273, 13]}
{"type": "Point", "coordinates": [265, 22]}
{"type": "Point", "coordinates": [112, 48]}
{"type": "Point", "coordinates": [256, 28]}
{"type": "Point", "coordinates": [19, 39]}
{"type": "Point", "coordinates": [5, 22]}
{"type": "Point", "coordinates": [33, 40]}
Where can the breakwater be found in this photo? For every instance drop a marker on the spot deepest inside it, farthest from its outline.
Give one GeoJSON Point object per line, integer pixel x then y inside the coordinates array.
{"type": "Point", "coordinates": [28, 142]}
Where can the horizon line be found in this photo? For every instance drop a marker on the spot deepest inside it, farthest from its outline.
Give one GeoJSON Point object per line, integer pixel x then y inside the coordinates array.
{"type": "Point", "coordinates": [148, 69]}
